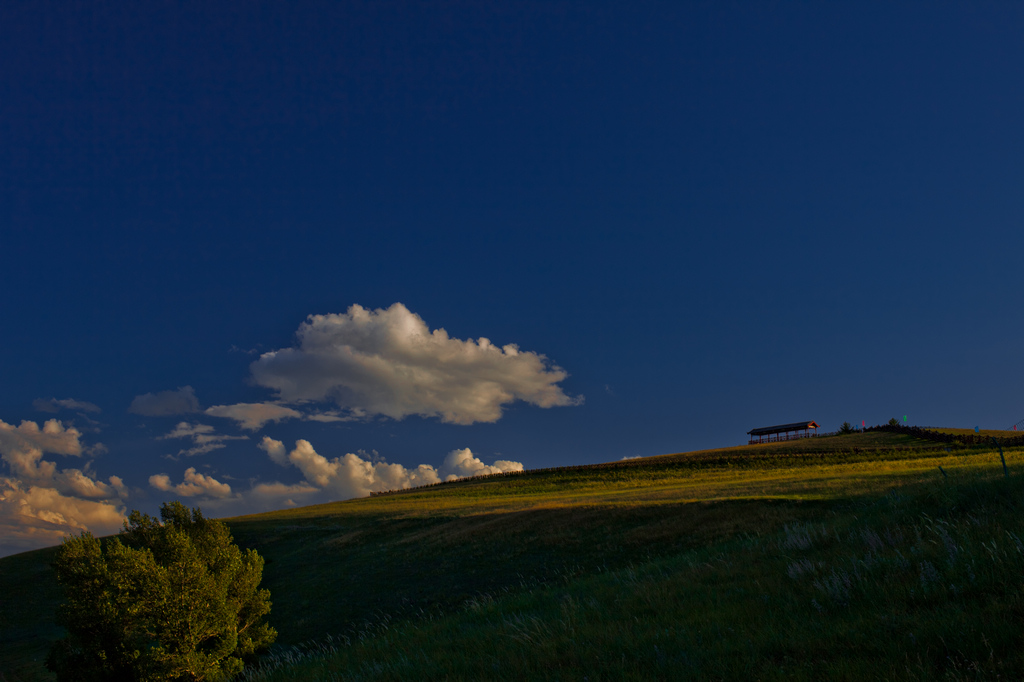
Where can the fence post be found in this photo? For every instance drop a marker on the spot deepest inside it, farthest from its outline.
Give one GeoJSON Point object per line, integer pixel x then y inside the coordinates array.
{"type": "Point", "coordinates": [1006, 471]}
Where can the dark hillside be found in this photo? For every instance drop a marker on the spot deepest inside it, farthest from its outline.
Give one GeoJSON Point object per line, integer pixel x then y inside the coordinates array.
{"type": "Point", "coordinates": [28, 597]}
{"type": "Point", "coordinates": [340, 567]}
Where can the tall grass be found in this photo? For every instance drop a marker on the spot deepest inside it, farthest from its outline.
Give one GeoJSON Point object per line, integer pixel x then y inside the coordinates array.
{"type": "Point", "coordinates": [489, 563]}
{"type": "Point", "coordinates": [918, 584]}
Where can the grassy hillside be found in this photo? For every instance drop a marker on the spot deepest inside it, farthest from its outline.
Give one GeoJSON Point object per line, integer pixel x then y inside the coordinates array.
{"type": "Point", "coordinates": [555, 565]}
{"type": "Point", "coordinates": [329, 566]}
{"type": "Point", "coordinates": [987, 433]}
{"type": "Point", "coordinates": [28, 597]}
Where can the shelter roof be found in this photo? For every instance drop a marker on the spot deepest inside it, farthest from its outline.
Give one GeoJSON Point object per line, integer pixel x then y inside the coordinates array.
{"type": "Point", "coordinates": [782, 428]}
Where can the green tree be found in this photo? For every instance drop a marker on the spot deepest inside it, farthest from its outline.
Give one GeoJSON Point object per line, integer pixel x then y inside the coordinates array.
{"type": "Point", "coordinates": [171, 601]}
{"type": "Point", "coordinates": [894, 422]}
{"type": "Point", "coordinates": [846, 428]}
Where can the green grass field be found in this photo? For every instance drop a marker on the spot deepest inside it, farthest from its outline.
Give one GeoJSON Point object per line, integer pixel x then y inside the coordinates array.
{"type": "Point", "coordinates": [846, 557]}
{"type": "Point", "coordinates": [987, 433]}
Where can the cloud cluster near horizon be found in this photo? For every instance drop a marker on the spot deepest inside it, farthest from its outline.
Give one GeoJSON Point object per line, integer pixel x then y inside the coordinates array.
{"type": "Point", "coordinates": [368, 363]}
{"type": "Point", "coordinates": [41, 503]}
{"type": "Point", "coordinates": [194, 485]}
{"type": "Point", "coordinates": [388, 362]}
{"type": "Point", "coordinates": [340, 478]}
{"type": "Point", "coordinates": [351, 476]}
{"type": "Point", "coordinates": [351, 367]}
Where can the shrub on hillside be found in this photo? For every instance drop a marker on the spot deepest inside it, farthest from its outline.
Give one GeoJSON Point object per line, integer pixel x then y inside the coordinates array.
{"type": "Point", "coordinates": [846, 428]}
{"type": "Point", "coordinates": [170, 601]}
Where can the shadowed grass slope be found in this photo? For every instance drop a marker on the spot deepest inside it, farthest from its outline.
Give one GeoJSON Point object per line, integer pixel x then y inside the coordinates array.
{"type": "Point", "coordinates": [923, 583]}
{"type": "Point", "coordinates": [345, 567]}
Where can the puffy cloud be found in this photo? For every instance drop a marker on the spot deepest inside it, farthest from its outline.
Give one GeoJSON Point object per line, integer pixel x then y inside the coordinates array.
{"type": "Point", "coordinates": [204, 438]}
{"type": "Point", "coordinates": [275, 449]}
{"type": "Point", "coordinates": [54, 405]}
{"type": "Point", "coordinates": [462, 463]}
{"type": "Point", "coordinates": [34, 516]}
{"type": "Point", "coordinates": [117, 484]}
{"type": "Point", "coordinates": [353, 476]}
{"type": "Point", "coordinates": [165, 403]}
{"type": "Point", "coordinates": [22, 447]}
{"type": "Point", "coordinates": [389, 362]}
{"type": "Point", "coordinates": [81, 484]}
{"type": "Point", "coordinates": [194, 485]}
{"type": "Point", "coordinates": [252, 416]}
{"type": "Point", "coordinates": [338, 478]}
{"type": "Point", "coordinates": [40, 503]}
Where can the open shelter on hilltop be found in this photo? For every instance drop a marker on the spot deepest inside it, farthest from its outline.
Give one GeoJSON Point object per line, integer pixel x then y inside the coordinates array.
{"type": "Point", "coordinates": [772, 434]}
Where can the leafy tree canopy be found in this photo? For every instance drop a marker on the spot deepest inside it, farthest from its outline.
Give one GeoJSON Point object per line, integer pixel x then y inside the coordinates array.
{"type": "Point", "coordinates": [171, 601]}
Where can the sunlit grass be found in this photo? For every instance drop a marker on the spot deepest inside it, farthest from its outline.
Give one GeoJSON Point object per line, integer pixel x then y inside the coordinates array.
{"type": "Point", "coordinates": [922, 583]}
{"type": "Point", "coordinates": [445, 544]}
{"type": "Point", "coordinates": [736, 473]}
{"type": "Point", "coordinates": [411, 561]}
{"type": "Point", "coordinates": [987, 433]}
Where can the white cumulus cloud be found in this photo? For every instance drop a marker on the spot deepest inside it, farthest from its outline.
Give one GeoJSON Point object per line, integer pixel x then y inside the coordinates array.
{"type": "Point", "coordinates": [275, 448]}
{"type": "Point", "coordinates": [350, 475]}
{"type": "Point", "coordinates": [463, 463]}
{"type": "Point", "coordinates": [252, 416]}
{"type": "Point", "coordinates": [389, 362]}
{"type": "Point", "coordinates": [35, 516]}
{"type": "Point", "coordinates": [22, 447]}
{"type": "Point", "coordinates": [166, 403]}
{"type": "Point", "coordinates": [330, 479]}
{"type": "Point", "coordinates": [194, 485]}
{"type": "Point", "coordinates": [40, 503]}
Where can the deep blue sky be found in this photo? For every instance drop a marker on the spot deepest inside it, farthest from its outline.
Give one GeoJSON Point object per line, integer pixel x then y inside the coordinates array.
{"type": "Point", "coordinates": [713, 216]}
